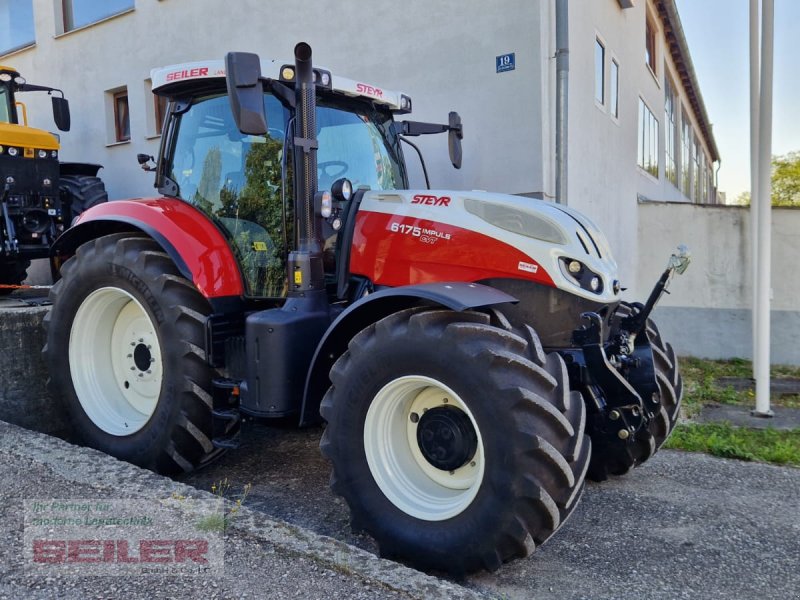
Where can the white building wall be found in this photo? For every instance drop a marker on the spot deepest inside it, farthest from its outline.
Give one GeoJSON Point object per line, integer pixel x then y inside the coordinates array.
{"type": "Point", "coordinates": [441, 53]}
{"type": "Point", "coordinates": [604, 179]}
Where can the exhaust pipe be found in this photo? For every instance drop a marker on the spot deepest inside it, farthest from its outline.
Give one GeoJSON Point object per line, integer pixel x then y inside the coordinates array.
{"type": "Point", "coordinates": [306, 272]}
{"type": "Point", "coordinates": [306, 145]}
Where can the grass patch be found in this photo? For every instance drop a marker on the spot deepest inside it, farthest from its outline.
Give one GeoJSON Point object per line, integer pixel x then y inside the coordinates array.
{"type": "Point", "coordinates": [727, 441]}
{"type": "Point", "coordinates": [702, 387]}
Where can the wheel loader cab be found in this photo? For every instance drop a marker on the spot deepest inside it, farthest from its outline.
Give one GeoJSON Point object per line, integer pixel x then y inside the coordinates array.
{"type": "Point", "coordinates": [244, 182]}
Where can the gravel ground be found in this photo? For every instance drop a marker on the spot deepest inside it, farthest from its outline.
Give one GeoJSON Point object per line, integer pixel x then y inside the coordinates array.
{"type": "Point", "coordinates": [264, 558]}
{"type": "Point", "coordinates": [681, 526]}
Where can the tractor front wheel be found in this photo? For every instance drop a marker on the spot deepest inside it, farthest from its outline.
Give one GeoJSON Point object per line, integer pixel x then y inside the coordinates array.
{"type": "Point", "coordinates": [456, 443]}
{"type": "Point", "coordinates": [125, 341]}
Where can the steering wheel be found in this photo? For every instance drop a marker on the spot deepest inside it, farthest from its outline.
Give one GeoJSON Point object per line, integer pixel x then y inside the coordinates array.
{"type": "Point", "coordinates": [332, 169]}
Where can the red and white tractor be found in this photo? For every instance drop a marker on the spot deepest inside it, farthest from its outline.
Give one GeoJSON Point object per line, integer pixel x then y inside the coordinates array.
{"type": "Point", "coordinates": [469, 351]}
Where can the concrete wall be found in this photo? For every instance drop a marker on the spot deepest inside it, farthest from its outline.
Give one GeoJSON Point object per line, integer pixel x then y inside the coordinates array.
{"type": "Point", "coordinates": [24, 399]}
{"type": "Point", "coordinates": [708, 311]}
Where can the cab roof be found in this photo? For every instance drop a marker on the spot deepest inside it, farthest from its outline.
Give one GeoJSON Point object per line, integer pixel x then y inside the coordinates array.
{"type": "Point", "coordinates": [174, 80]}
{"type": "Point", "coordinates": [7, 69]}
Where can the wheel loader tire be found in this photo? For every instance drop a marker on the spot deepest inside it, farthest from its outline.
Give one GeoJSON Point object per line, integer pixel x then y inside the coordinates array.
{"type": "Point", "coordinates": [456, 444]}
{"type": "Point", "coordinates": [125, 341]}
{"type": "Point", "coordinates": [12, 272]}
{"type": "Point", "coordinates": [82, 192]}
{"type": "Point", "coordinates": [621, 458]}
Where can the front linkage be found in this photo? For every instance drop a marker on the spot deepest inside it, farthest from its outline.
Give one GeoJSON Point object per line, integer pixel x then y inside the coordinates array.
{"type": "Point", "coordinates": [617, 375]}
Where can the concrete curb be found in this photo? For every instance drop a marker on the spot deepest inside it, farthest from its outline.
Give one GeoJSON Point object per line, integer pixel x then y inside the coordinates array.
{"type": "Point", "coordinates": [89, 467]}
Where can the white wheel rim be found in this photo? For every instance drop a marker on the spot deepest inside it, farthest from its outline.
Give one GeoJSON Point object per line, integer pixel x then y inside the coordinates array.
{"type": "Point", "coordinates": [398, 466]}
{"type": "Point", "coordinates": [115, 361]}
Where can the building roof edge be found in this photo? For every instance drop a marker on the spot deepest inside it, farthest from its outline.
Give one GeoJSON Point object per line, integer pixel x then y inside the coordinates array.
{"type": "Point", "coordinates": [679, 50]}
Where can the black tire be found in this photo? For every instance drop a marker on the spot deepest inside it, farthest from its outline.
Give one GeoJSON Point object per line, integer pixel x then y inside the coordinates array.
{"type": "Point", "coordinates": [621, 457]}
{"type": "Point", "coordinates": [82, 192]}
{"type": "Point", "coordinates": [12, 272]}
{"type": "Point", "coordinates": [535, 453]}
{"type": "Point", "coordinates": [99, 284]}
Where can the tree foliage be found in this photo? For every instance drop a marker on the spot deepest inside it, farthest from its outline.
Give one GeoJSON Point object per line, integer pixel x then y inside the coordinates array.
{"type": "Point", "coordinates": [785, 182]}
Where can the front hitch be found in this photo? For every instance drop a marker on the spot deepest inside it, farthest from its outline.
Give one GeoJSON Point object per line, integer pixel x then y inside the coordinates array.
{"type": "Point", "coordinates": [636, 323]}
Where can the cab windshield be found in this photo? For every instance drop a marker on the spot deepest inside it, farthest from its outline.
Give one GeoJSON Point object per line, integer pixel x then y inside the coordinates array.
{"type": "Point", "coordinates": [5, 104]}
{"type": "Point", "coordinates": [236, 179]}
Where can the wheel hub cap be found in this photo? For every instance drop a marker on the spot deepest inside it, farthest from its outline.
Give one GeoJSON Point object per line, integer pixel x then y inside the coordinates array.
{"type": "Point", "coordinates": [446, 437]}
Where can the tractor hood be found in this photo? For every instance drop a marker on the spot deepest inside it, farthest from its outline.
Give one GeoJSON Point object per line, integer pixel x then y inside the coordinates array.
{"type": "Point", "coordinates": [500, 235]}
{"type": "Point", "coordinates": [20, 136]}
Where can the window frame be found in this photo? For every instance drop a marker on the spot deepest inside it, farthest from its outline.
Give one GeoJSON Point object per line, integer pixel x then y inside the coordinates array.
{"type": "Point", "coordinates": [671, 133]}
{"type": "Point", "coordinates": [26, 43]}
{"type": "Point", "coordinates": [599, 44]}
{"type": "Point", "coordinates": [68, 18]}
{"type": "Point", "coordinates": [647, 141]}
{"type": "Point", "coordinates": [650, 50]}
{"type": "Point", "coordinates": [687, 135]}
{"type": "Point", "coordinates": [119, 135]}
{"type": "Point", "coordinates": [613, 81]}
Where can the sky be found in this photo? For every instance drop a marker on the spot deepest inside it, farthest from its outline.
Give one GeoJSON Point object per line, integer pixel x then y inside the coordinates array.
{"type": "Point", "coordinates": [717, 32]}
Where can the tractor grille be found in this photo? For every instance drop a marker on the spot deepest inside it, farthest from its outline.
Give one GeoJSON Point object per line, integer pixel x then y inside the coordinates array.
{"type": "Point", "coordinates": [29, 175]}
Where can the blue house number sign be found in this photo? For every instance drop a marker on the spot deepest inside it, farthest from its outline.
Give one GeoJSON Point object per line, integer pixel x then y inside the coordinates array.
{"type": "Point", "coordinates": [505, 62]}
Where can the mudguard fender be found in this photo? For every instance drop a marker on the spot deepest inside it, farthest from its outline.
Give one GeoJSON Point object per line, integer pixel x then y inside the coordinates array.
{"type": "Point", "coordinates": [198, 248]}
{"type": "Point", "coordinates": [374, 307]}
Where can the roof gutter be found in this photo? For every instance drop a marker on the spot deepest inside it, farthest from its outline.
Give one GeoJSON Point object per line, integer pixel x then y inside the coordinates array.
{"type": "Point", "coordinates": [679, 49]}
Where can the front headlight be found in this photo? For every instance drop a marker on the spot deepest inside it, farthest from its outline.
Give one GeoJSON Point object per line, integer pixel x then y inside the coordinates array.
{"type": "Point", "coordinates": [581, 275]}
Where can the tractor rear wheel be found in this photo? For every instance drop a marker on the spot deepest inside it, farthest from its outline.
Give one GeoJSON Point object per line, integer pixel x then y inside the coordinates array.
{"type": "Point", "coordinates": [82, 192]}
{"type": "Point", "coordinates": [621, 457]}
{"type": "Point", "coordinates": [456, 443]}
{"type": "Point", "coordinates": [12, 272]}
{"type": "Point", "coordinates": [125, 341]}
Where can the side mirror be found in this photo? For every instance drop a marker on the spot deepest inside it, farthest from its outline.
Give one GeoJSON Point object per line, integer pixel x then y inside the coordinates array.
{"type": "Point", "coordinates": [61, 113]}
{"type": "Point", "coordinates": [454, 136]}
{"type": "Point", "coordinates": [245, 92]}
{"type": "Point", "coordinates": [144, 160]}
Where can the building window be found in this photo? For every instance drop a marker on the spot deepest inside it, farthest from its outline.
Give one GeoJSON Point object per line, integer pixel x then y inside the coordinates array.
{"type": "Point", "coordinates": [79, 13]}
{"type": "Point", "coordinates": [670, 133]}
{"type": "Point", "coordinates": [686, 154]}
{"type": "Point", "coordinates": [614, 99]}
{"type": "Point", "coordinates": [650, 45]}
{"type": "Point", "coordinates": [160, 106]}
{"type": "Point", "coordinates": [122, 117]}
{"type": "Point", "coordinates": [16, 25]}
{"type": "Point", "coordinates": [697, 171]}
{"type": "Point", "coordinates": [599, 72]}
{"type": "Point", "coordinates": [648, 140]}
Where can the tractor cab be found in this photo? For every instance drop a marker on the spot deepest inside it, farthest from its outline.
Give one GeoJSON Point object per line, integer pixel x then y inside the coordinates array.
{"type": "Point", "coordinates": [245, 182]}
